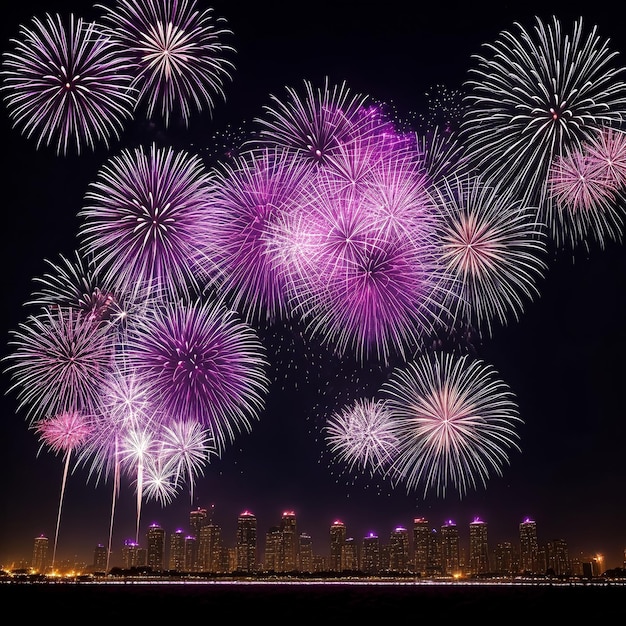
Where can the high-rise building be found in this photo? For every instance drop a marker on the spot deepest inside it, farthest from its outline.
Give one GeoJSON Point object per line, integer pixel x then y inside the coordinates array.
{"type": "Point", "coordinates": [529, 547]}
{"type": "Point", "coordinates": [246, 542]}
{"type": "Point", "coordinates": [370, 554]}
{"type": "Point", "coordinates": [131, 555]}
{"type": "Point", "coordinates": [191, 549]}
{"type": "Point", "coordinates": [39, 563]}
{"type": "Point", "coordinates": [197, 519]}
{"type": "Point", "coordinates": [289, 542]}
{"type": "Point", "coordinates": [450, 548]}
{"type": "Point", "coordinates": [399, 550]}
{"type": "Point", "coordinates": [305, 553]}
{"type": "Point", "coordinates": [337, 543]}
{"type": "Point", "coordinates": [155, 540]}
{"type": "Point", "coordinates": [478, 547]}
{"type": "Point", "coordinates": [100, 558]}
{"type": "Point", "coordinates": [271, 561]}
{"type": "Point", "coordinates": [177, 551]}
{"type": "Point", "coordinates": [506, 561]}
{"type": "Point", "coordinates": [210, 549]}
{"type": "Point", "coordinates": [434, 559]}
{"type": "Point", "coordinates": [350, 555]}
{"type": "Point", "coordinates": [421, 540]}
{"type": "Point", "coordinates": [557, 558]}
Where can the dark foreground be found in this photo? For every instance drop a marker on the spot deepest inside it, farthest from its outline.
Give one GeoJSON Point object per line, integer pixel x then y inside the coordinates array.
{"type": "Point", "coordinates": [307, 603]}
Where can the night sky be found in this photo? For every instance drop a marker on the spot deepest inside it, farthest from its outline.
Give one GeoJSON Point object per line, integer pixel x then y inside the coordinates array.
{"type": "Point", "coordinates": [564, 358]}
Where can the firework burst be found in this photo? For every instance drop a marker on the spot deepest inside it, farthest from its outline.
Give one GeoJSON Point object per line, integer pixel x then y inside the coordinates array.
{"type": "Point", "coordinates": [455, 420]}
{"type": "Point", "coordinates": [143, 218]}
{"type": "Point", "coordinates": [59, 363]}
{"type": "Point", "coordinates": [204, 363]}
{"type": "Point", "coordinates": [494, 249]}
{"type": "Point", "coordinates": [536, 96]}
{"type": "Point", "coordinates": [180, 54]}
{"type": "Point", "coordinates": [67, 84]}
{"type": "Point", "coordinates": [361, 435]}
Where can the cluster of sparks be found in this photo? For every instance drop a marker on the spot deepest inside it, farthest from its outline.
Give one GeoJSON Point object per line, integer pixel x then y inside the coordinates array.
{"type": "Point", "coordinates": [144, 355]}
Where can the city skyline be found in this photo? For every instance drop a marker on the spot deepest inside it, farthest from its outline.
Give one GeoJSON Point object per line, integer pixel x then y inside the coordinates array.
{"type": "Point", "coordinates": [562, 358]}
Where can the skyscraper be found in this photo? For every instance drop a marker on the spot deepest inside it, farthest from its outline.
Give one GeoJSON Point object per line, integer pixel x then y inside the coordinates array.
{"type": "Point", "coordinates": [529, 547]}
{"type": "Point", "coordinates": [350, 555]}
{"type": "Point", "coordinates": [370, 555]}
{"type": "Point", "coordinates": [305, 553]}
{"type": "Point", "coordinates": [478, 547]}
{"type": "Point", "coordinates": [450, 549]}
{"type": "Point", "coordinates": [100, 558]}
{"type": "Point", "coordinates": [246, 542]}
{"type": "Point", "coordinates": [271, 560]}
{"type": "Point", "coordinates": [337, 542]}
{"type": "Point", "coordinates": [421, 540]}
{"type": "Point", "coordinates": [156, 547]}
{"type": "Point", "coordinates": [289, 542]}
{"type": "Point", "coordinates": [197, 519]}
{"type": "Point", "coordinates": [177, 551]}
{"type": "Point", "coordinates": [210, 549]}
{"type": "Point", "coordinates": [399, 550]}
{"type": "Point", "coordinates": [39, 562]}
{"type": "Point", "coordinates": [558, 557]}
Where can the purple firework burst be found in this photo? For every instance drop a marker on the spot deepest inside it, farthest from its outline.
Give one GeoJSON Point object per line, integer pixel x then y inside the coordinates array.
{"type": "Point", "coordinates": [180, 53]}
{"type": "Point", "coordinates": [59, 363]}
{"type": "Point", "coordinates": [251, 192]}
{"type": "Point", "coordinates": [455, 421]}
{"type": "Point", "coordinates": [360, 261]}
{"type": "Point", "coordinates": [143, 219]}
{"type": "Point", "coordinates": [205, 364]}
{"type": "Point", "coordinates": [68, 84]}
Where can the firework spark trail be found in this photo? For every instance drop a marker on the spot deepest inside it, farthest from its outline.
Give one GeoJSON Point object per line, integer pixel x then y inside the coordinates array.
{"type": "Point", "coordinates": [65, 433]}
{"type": "Point", "coordinates": [180, 53]}
{"type": "Point", "coordinates": [454, 419]}
{"type": "Point", "coordinates": [67, 84]}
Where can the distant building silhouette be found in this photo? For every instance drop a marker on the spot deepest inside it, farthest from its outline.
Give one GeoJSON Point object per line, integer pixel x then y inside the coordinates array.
{"type": "Point", "coordinates": [156, 547]}
{"type": "Point", "coordinates": [40, 561]}
{"type": "Point", "coordinates": [450, 549]}
{"type": "Point", "coordinates": [478, 547]}
{"type": "Point", "coordinates": [529, 547]}
{"type": "Point", "coordinates": [337, 546]}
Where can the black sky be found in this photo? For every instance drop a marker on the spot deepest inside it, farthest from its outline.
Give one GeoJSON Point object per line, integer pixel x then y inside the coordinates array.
{"type": "Point", "coordinates": [564, 359]}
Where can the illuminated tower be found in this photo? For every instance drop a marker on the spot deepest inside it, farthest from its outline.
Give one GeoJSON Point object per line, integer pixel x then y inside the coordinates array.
{"type": "Point", "coordinates": [246, 542]}
{"type": "Point", "coordinates": [197, 519]}
{"type": "Point", "coordinates": [478, 547]}
{"type": "Point", "coordinates": [558, 558]}
{"type": "Point", "coordinates": [350, 555]}
{"type": "Point", "coordinates": [529, 547]}
{"type": "Point", "coordinates": [399, 550]}
{"type": "Point", "coordinates": [421, 539]}
{"type": "Point", "coordinates": [130, 554]}
{"type": "Point", "coordinates": [191, 548]}
{"type": "Point", "coordinates": [337, 543]}
{"type": "Point", "coordinates": [271, 561]}
{"type": "Point", "coordinates": [177, 551]}
{"type": "Point", "coordinates": [370, 561]}
{"type": "Point", "coordinates": [156, 547]}
{"type": "Point", "coordinates": [210, 549]}
{"type": "Point", "coordinates": [100, 558]}
{"type": "Point", "coordinates": [40, 555]}
{"type": "Point", "coordinates": [433, 561]}
{"type": "Point", "coordinates": [505, 561]}
{"type": "Point", "coordinates": [450, 553]}
{"type": "Point", "coordinates": [305, 553]}
{"type": "Point", "coordinates": [289, 542]}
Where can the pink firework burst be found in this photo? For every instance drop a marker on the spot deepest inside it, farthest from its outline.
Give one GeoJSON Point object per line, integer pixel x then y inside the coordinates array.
{"type": "Point", "coordinates": [584, 193]}
{"type": "Point", "coordinates": [607, 151]}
